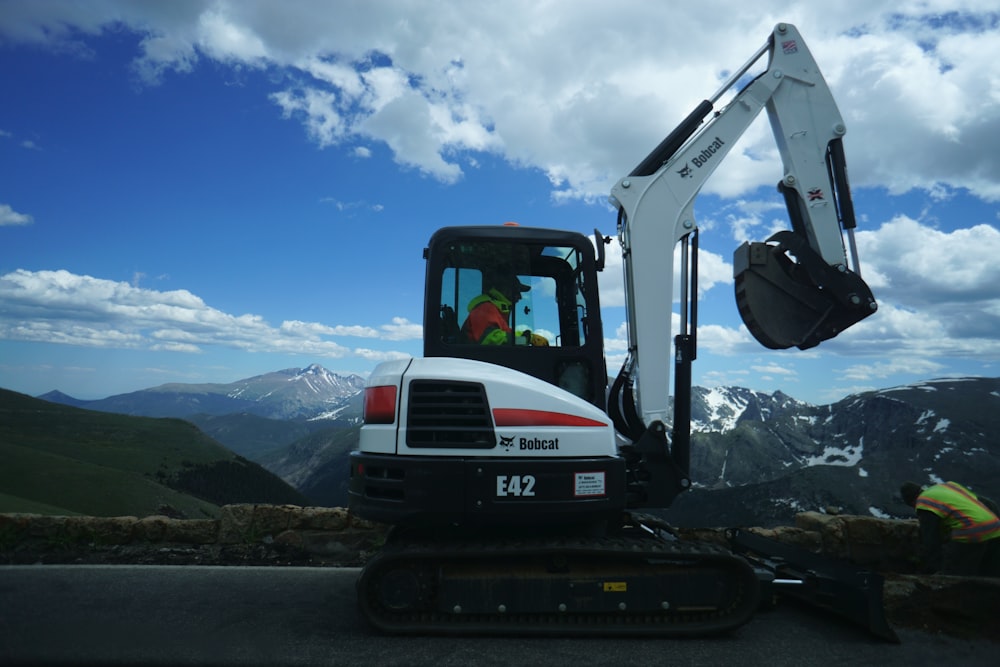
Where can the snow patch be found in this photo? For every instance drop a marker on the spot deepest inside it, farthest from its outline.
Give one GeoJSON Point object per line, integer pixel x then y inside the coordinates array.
{"type": "Point", "coordinates": [878, 514]}
{"type": "Point", "coordinates": [723, 409]}
{"type": "Point", "coordinates": [791, 503]}
{"type": "Point", "coordinates": [846, 456]}
{"type": "Point", "coordinates": [329, 414]}
{"type": "Point", "coordinates": [943, 450]}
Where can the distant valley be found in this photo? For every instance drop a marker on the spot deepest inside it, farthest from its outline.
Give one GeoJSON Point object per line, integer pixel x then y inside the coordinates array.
{"type": "Point", "coordinates": [756, 458]}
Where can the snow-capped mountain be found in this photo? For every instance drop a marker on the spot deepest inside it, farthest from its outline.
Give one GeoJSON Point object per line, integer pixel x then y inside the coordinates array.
{"type": "Point", "coordinates": [852, 454]}
{"type": "Point", "coordinates": [309, 392]}
{"type": "Point", "coordinates": [293, 393]}
{"type": "Point", "coordinates": [743, 437]}
{"type": "Point", "coordinates": [756, 458]}
{"type": "Point", "coordinates": [721, 409]}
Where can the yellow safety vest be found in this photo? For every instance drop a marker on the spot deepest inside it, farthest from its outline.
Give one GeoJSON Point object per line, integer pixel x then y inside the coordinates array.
{"type": "Point", "coordinates": [962, 512]}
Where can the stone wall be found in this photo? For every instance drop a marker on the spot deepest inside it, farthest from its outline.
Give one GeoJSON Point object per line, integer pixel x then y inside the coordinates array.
{"type": "Point", "coordinates": [884, 545]}
{"type": "Point", "coordinates": [319, 531]}
{"type": "Point", "coordinates": [879, 544]}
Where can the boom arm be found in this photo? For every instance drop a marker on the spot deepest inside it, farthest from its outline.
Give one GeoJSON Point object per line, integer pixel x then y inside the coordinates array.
{"type": "Point", "coordinates": [817, 294]}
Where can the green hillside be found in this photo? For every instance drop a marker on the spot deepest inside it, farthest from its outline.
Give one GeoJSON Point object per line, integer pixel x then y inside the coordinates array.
{"type": "Point", "coordinates": [58, 459]}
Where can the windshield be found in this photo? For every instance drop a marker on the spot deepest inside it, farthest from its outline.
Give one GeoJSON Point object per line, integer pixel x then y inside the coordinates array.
{"type": "Point", "coordinates": [528, 288]}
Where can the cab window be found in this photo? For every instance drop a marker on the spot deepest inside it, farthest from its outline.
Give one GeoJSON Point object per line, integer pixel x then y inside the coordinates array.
{"type": "Point", "coordinates": [539, 288]}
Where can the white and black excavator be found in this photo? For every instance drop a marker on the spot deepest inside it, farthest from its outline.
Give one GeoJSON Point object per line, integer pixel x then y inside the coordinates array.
{"type": "Point", "coordinates": [509, 469]}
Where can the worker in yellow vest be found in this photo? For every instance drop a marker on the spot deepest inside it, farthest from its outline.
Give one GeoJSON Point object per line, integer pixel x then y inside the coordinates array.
{"type": "Point", "coordinates": [959, 530]}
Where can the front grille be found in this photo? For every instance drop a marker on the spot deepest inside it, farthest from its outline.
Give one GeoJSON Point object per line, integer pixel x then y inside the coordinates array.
{"type": "Point", "coordinates": [449, 414]}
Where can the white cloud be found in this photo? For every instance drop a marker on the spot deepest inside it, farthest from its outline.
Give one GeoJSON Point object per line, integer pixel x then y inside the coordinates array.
{"type": "Point", "coordinates": [579, 91]}
{"type": "Point", "coordinates": [937, 294]}
{"type": "Point", "coordinates": [66, 308]}
{"type": "Point", "coordinates": [885, 369]}
{"type": "Point", "coordinates": [920, 264]}
{"type": "Point", "coordinates": [582, 90]}
{"type": "Point", "coordinates": [407, 124]}
{"type": "Point", "coordinates": [773, 369]}
{"type": "Point", "coordinates": [318, 111]}
{"type": "Point", "coordinates": [224, 39]}
{"type": "Point", "coordinates": [10, 217]}
{"type": "Point", "coordinates": [164, 53]}
{"type": "Point", "coordinates": [402, 329]}
{"type": "Point", "coordinates": [352, 206]}
{"type": "Point", "coordinates": [726, 341]}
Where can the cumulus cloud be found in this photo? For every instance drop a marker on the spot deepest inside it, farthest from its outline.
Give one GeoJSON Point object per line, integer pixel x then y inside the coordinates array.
{"type": "Point", "coordinates": [937, 294]}
{"type": "Point", "coordinates": [402, 329]}
{"type": "Point", "coordinates": [920, 264]}
{"type": "Point", "coordinates": [72, 309]}
{"type": "Point", "coordinates": [579, 93]}
{"type": "Point", "coordinates": [10, 217]}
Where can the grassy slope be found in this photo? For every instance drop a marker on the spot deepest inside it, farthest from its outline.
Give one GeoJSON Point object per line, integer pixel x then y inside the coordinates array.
{"type": "Point", "coordinates": [71, 486]}
{"type": "Point", "coordinates": [98, 463]}
{"type": "Point", "coordinates": [11, 503]}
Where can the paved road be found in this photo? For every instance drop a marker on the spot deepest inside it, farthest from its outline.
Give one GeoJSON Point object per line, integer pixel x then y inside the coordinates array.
{"type": "Point", "coordinates": [187, 615]}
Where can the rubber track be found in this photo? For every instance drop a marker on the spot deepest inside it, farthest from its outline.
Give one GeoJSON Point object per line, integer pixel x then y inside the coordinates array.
{"type": "Point", "coordinates": [641, 547]}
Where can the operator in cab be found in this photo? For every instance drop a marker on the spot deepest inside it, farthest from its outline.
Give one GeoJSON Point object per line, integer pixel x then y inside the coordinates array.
{"type": "Point", "coordinates": [488, 322]}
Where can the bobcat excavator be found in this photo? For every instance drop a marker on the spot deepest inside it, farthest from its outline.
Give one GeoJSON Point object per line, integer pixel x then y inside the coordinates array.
{"type": "Point", "coordinates": [509, 470]}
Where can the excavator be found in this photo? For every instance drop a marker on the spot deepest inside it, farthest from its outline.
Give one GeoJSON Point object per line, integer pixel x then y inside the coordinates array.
{"type": "Point", "coordinates": [513, 475]}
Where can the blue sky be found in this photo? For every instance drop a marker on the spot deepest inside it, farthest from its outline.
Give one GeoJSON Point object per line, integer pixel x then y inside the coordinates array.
{"type": "Point", "coordinates": [205, 191]}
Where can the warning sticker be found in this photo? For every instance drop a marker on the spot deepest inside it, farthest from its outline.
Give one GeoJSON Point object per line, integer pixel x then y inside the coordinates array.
{"type": "Point", "coordinates": [589, 484]}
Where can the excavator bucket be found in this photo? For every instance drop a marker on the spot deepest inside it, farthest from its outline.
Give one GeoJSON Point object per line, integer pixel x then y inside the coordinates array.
{"type": "Point", "coordinates": [798, 302]}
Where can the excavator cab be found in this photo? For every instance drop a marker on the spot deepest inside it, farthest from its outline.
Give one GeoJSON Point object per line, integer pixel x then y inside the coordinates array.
{"type": "Point", "coordinates": [536, 290]}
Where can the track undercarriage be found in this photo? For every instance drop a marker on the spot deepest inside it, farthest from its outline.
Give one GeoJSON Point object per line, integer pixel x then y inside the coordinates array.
{"type": "Point", "coordinates": [638, 582]}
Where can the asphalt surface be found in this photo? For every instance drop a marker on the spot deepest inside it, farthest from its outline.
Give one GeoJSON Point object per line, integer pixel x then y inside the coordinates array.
{"type": "Point", "coordinates": [192, 615]}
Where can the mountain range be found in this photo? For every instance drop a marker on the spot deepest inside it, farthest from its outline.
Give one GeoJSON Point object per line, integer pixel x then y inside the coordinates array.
{"type": "Point", "coordinates": [308, 393]}
{"type": "Point", "coordinates": [756, 458]}
{"type": "Point", "coordinates": [771, 457]}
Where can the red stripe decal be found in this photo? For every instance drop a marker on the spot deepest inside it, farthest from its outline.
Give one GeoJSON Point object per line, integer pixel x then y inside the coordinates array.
{"type": "Point", "coordinates": [515, 417]}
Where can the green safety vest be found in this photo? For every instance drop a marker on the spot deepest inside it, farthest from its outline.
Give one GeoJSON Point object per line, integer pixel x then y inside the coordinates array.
{"type": "Point", "coordinates": [962, 512]}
